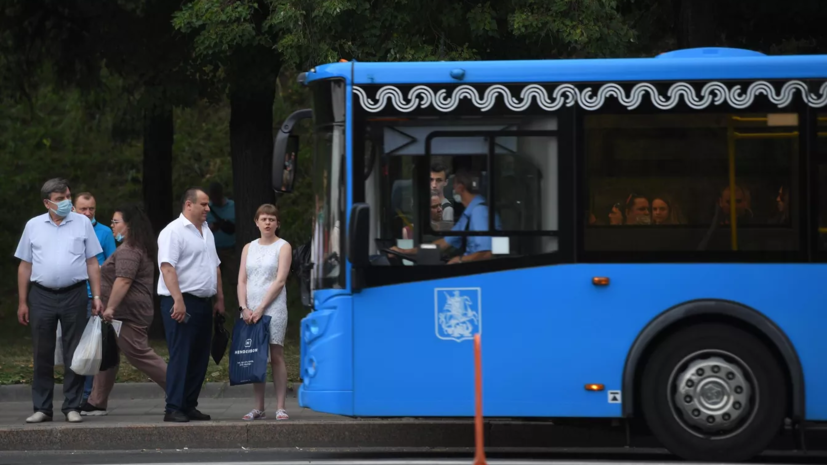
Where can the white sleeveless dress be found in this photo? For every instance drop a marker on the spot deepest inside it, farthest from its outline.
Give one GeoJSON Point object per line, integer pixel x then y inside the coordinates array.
{"type": "Point", "coordinates": [262, 269]}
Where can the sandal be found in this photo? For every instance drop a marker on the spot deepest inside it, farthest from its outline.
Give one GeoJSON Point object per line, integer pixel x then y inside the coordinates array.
{"type": "Point", "coordinates": [281, 414]}
{"type": "Point", "coordinates": [254, 414]}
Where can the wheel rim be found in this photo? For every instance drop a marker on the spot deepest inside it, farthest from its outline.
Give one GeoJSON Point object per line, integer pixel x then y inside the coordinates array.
{"type": "Point", "coordinates": [713, 394]}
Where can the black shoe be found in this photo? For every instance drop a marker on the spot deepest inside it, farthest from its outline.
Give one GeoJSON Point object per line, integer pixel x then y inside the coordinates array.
{"type": "Point", "coordinates": [90, 410]}
{"type": "Point", "coordinates": [176, 416]}
{"type": "Point", "coordinates": [195, 415]}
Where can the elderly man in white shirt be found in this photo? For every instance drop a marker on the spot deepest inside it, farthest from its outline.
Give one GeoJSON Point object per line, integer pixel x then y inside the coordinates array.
{"type": "Point", "coordinates": [58, 254]}
{"type": "Point", "coordinates": [190, 278]}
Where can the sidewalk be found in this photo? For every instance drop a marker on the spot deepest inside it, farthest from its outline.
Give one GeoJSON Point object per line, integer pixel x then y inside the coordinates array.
{"type": "Point", "coordinates": [149, 411]}
{"type": "Point", "coordinates": [121, 391]}
{"type": "Point", "coordinates": [135, 422]}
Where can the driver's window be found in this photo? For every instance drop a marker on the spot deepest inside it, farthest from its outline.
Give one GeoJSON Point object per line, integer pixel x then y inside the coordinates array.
{"type": "Point", "coordinates": [462, 187]}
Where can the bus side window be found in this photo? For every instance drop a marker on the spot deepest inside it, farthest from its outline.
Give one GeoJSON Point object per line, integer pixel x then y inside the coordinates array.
{"type": "Point", "coordinates": [661, 182]}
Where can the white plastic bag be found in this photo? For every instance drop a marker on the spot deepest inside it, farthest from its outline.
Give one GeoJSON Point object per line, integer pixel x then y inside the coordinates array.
{"type": "Point", "coordinates": [87, 358]}
{"type": "Point", "coordinates": [59, 347]}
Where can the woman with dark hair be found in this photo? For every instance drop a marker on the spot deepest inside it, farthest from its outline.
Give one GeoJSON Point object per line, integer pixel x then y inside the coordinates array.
{"type": "Point", "coordinates": [126, 293]}
{"type": "Point", "coordinates": [616, 215]}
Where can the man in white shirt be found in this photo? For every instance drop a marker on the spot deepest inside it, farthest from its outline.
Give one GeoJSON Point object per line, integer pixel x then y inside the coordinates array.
{"type": "Point", "coordinates": [190, 278]}
{"type": "Point", "coordinates": [58, 253]}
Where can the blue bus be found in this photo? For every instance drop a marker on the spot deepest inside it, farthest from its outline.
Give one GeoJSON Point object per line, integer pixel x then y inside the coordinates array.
{"type": "Point", "coordinates": [636, 239]}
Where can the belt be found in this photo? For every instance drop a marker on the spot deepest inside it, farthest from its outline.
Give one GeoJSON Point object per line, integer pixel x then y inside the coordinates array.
{"type": "Point", "coordinates": [60, 290]}
{"type": "Point", "coordinates": [191, 296]}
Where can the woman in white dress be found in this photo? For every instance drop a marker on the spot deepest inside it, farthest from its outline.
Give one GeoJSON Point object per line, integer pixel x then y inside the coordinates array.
{"type": "Point", "coordinates": [262, 276]}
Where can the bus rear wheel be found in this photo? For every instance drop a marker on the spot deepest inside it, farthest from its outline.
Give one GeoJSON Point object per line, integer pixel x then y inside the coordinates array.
{"type": "Point", "coordinates": [713, 392]}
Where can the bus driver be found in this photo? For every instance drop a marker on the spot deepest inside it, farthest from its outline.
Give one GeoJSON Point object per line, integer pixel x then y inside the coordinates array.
{"type": "Point", "coordinates": [474, 218]}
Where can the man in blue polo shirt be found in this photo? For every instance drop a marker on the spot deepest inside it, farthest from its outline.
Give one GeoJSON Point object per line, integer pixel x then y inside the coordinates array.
{"type": "Point", "coordinates": [474, 218]}
{"type": "Point", "coordinates": [85, 205]}
{"type": "Point", "coordinates": [221, 219]}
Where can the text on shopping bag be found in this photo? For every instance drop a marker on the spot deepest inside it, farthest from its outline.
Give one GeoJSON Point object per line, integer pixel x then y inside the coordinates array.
{"type": "Point", "coordinates": [249, 352]}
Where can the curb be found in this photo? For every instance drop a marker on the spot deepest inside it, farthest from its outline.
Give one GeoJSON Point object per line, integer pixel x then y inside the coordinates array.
{"type": "Point", "coordinates": [355, 433]}
{"type": "Point", "coordinates": [298, 434]}
{"type": "Point", "coordinates": [23, 392]}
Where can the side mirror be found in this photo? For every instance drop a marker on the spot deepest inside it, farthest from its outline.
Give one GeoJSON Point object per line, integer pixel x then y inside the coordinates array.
{"type": "Point", "coordinates": [285, 151]}
{"type": "Point", "coordinates": [358, 236]}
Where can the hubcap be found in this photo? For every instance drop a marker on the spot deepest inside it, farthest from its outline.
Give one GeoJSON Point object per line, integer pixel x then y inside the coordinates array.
{"type": "Point", "coordinates": [712, 393]}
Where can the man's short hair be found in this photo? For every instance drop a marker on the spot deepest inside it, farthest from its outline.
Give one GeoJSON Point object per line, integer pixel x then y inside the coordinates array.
{"type": "Point", "coordinates": [439, 168]}
{"type": "Point", "coordinates": [469, 179]}
{"type": "Point", "coordinates": [84, 196]}
{"type": "Point", "coordinates": [190, 194]}
{"type": "Point", "coordinates": [216, 188]}
{"type": "Point", "coordinates": [53, 186]}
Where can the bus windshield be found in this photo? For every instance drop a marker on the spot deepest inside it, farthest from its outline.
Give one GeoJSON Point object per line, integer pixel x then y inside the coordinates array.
{"type": "Point", "coordinates": [328, 183]}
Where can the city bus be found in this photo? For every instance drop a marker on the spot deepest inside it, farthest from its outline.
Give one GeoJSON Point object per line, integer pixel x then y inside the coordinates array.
{"type": "Point", "coordinates": [637, 239]}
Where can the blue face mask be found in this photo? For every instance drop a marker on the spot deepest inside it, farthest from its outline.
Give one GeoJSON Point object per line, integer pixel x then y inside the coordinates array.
{"type": "Point", "coordinates": [64, 207]}
{"type": "Point", "coordinates": [119, 237]}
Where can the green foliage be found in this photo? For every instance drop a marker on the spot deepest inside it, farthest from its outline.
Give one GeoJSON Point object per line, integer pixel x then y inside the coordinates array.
{"type": "Point", "coordinates": [578, 28]}
{"type": "Point", "coordinates": [221, 27]}
{"type": "Point", "coordinates": [61, 133]}
{"type": "Point", "coordinates": [309, 32]}
{"type": "Point", "coordinates": [57, 135]}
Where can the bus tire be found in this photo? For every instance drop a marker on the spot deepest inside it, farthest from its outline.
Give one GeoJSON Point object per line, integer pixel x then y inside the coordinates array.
{"type": "Point", "coordinates": [713, 392]}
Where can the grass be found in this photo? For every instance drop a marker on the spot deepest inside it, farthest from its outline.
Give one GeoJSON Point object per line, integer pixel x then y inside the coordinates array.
{"type": "Point", "coordinates": [16, 363]}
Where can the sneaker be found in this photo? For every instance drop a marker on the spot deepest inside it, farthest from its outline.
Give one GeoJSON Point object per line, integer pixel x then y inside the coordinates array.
{"type": "Point", "coordinates": [89, 410]}
{"type": "Point", "coordinates": [38, 417]}
{"type": "Point", "coordinates": [254, 414]}
{"type": "Point", "coordinates": [73, 417]}
{"type": "Point", "coordinates": [281, 414]}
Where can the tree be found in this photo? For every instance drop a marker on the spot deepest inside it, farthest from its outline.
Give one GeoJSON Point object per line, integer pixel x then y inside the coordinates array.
{"type": "Point", "coordinates": [310, 32]}
{"type": "Point", "coordinates": [233, 50]}
{"type": "Point", "coordinates": [81, 38]}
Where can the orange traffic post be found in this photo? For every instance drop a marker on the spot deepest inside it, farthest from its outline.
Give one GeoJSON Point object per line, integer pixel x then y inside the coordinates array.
{"type": "Point", "coordinates": [479, 457]}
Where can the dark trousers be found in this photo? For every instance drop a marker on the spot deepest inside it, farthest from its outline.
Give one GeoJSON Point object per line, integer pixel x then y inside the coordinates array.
{"type": "Point", "coordinates": [189, 351]}
{"type": "Point", "coordinates": [46, 309]}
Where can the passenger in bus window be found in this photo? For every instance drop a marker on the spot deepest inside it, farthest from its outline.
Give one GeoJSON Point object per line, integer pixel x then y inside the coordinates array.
{"type": "Point", "coordinates": [637, 210]}
{"type": "Point", "coordinates": [664, 211]}
{"type": "Point", "coordinates": [473, 218]}
{"type": "Point", "coordinates": [742, 210]}
{"type": "Point", "coordinates": [436, 211]}
{"type": "Point", "coordinates": [783, 203]}
{"type": "Point", "coordinates": [616, 216]}
{"type": "Point", "coordinates": [439, 179]}
{"type": "Point", "coordinates": [437, 224]}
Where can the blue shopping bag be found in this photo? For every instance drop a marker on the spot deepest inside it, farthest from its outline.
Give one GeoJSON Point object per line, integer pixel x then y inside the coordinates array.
{"type": "Point", "coordinates": [249, 352]}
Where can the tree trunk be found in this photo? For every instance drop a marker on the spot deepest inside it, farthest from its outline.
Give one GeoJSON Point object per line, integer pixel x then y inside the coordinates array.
{"type": "Point", "coordinates": [157, 182]}
{"type": "Point", "coordinates": [696, 22]}
{"type": "Point", "coordinates": [251, 147]}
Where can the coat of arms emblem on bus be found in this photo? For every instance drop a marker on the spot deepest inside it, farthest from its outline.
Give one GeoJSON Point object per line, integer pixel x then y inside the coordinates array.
{"type": "Point", "coordinates": [458, 313]}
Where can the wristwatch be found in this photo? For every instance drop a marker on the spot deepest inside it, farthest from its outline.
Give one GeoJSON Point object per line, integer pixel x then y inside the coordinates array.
{"type": "Point", "coordinates": [97, 297]}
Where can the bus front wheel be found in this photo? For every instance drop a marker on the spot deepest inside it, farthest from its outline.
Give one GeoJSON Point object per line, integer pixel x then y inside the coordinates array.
{"type": "Point", "coordinates": [713, 392]}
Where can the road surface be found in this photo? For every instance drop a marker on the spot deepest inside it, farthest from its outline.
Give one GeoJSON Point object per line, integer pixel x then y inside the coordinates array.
{"type": "Point", "coordinates": [361, 457]}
